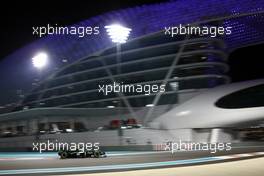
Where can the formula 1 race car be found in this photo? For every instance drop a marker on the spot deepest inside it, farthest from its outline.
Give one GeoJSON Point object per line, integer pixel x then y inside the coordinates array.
{"type": "Point", "coordinates": [81, 154]}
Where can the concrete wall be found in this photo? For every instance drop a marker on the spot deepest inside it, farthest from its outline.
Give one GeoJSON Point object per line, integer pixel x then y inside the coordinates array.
{"type": "Point", "coordinates": [105, 138]}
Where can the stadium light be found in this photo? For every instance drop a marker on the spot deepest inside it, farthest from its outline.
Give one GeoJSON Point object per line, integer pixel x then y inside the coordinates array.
{"type": "Point", "coordinates": [40, 60]}
{"type": "Point", "coordinates": [118, 33]}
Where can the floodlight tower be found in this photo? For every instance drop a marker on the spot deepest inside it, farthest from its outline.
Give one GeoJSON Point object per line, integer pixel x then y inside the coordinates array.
{"type": "Point", "coordinates": [119, 35]}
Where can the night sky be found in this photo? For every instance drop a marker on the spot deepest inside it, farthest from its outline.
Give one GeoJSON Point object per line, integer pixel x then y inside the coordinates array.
{"type": "Point", "coordinates": [18, 17]}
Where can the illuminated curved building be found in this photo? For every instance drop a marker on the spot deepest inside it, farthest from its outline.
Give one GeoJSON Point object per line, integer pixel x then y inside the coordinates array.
{"type": "Point", "coordinates": [148, 55]}
{"type": "Point", "coordinates": [187, 64]}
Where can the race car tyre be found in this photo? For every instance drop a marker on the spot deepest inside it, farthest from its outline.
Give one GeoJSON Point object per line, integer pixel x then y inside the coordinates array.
{"type": "Point", "coordinates": [96, 154]}
{"type": "Point", "coordinates": [64, 155]}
